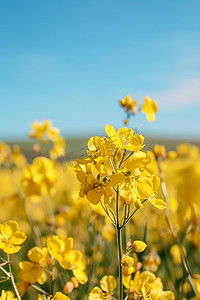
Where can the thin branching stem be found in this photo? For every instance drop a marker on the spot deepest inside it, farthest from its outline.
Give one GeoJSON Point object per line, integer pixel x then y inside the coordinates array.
{"type": "Point", "coordinates": [122, 160]}
{"type": "Point", "coordinates": [129, 218]}
{"type": "Point", "coordinates": [12, 278]}
{"type": "Point", "coordinates": [38, 288]}
{"type": "Point", "coordinates": [128, 156]}
{"type": "Point", "coordinates": [4, 271]}
{"type": "Point", "coordinates": [106, 211]}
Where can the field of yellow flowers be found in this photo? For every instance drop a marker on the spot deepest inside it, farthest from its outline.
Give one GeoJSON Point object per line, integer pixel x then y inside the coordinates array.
{"type": "Point", "coordinates": [120, 223]}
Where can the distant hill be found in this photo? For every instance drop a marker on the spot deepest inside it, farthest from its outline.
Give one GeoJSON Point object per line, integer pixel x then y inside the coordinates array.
{"type": "Point", "coordinates": [77, 147]}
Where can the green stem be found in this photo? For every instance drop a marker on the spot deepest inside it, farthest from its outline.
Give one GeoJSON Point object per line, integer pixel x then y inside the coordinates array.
{"type": "Point", "coordinates": [119, 246]}
{"type": "Point", "coordinates": [12, 278]}
{"type": "Point", "coordinates": [4, 271]}
{"type": "Point", "coordinates": [38, 288]}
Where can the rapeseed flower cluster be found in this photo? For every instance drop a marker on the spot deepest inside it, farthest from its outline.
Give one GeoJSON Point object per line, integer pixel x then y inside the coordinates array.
{"type": "Point", "coordinates": [121, 223]}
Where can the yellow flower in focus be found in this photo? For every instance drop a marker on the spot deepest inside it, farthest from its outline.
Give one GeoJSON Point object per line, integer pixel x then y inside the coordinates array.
{"type": "Point", "coordinates": [7, 295]}
{"type": "Point", "coordinates": [150, 108]}
{"type": "Point", "coordinates": [146, 286]}
{"type": "Point", "coordinates": [94, 188]}
{"type": "Point", "coordinates": [11, 237]}
{"type": "Point", "coordinates": [158, 203]}
{"type": "Point", "coordinates": [100, 147]}
{"type": "Point", "coordinates": [107, 284]}
{"type": "Point", "coordinates": [125, 138]}
{"type": "Point", "coordinates": [127, 263]}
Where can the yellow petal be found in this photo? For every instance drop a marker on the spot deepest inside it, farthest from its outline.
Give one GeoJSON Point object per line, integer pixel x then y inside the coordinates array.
{"type": "Point", "coordinates": [84, 161]}
{"type": "Point", "coordinates": [144, 187]}
{"type": "Point", "coordinates": [60, 296]}
{"type": "Point", "coordinates": [151, 117]}
{"type": "Point", "coordinates": [158, 203]}
{"type": "Point", "coordinates": [110, 130]}
{"type": "Point", "coordinates": [81, 276]}
{"type": "Point", "coordinates": [96, 294]}
{"type": "Point", "coordinates": [139, 246]}
{"type": "Point", "coordinates": [126, 281]}
{"type": "Point", "coordinates": [116, 178]}
{"type": "Point", "coordinates": [94, 196]}
{"type": "Point", "coordinates": [108, 283]}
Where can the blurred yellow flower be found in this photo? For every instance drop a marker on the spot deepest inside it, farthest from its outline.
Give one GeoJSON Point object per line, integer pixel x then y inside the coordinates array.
{"type": "Point", "coordinates": [5, 152]}
{"type": "Point", "coordinates": [43, 130]}
{"type": "Point", "coordinates": [129, 104]}
{"type": "Point", "coordinates": [31, 273]}
{"type": "Point", "coordinates": [176, 253]}
{"type": "Point", "coordinates": [39, 177]}
{"type": "Point", "coordinates": [150, 108]}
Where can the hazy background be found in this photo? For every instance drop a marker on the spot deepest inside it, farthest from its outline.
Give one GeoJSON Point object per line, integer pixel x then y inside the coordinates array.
{"type": "Point", "coordinates": [71, 62]}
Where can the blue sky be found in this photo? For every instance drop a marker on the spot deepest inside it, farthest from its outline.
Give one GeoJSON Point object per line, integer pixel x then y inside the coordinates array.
{"type": "Point", "coordinates": [71, 61]}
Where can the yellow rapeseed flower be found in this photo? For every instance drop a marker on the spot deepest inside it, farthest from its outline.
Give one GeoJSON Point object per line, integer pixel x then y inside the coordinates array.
{"type": "Point", "coordinates": [39, 177]}
{"type": "Point", "coordinates": [38, 255]}
{"type": "Point", "coordinates": [58, 247]}
{"type": "Point", "coordinates": [146, 286]}
{"type": "Point", "coordinates": [31, 273]}
{"type": "Point", "coordinates": [125, 138]}
{"type": "Point", "coordinates": [127, 263]}
{"type": "Point", "coordinates": [11, 237]}
{"type": "Point", "coordinates": [43, 130]}
{"type": "Point", "coordinates": [73, 260]}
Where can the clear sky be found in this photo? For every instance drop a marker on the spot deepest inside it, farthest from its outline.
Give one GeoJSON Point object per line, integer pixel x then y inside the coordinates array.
{"type": "Point", "coordinates": [71, 61]}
